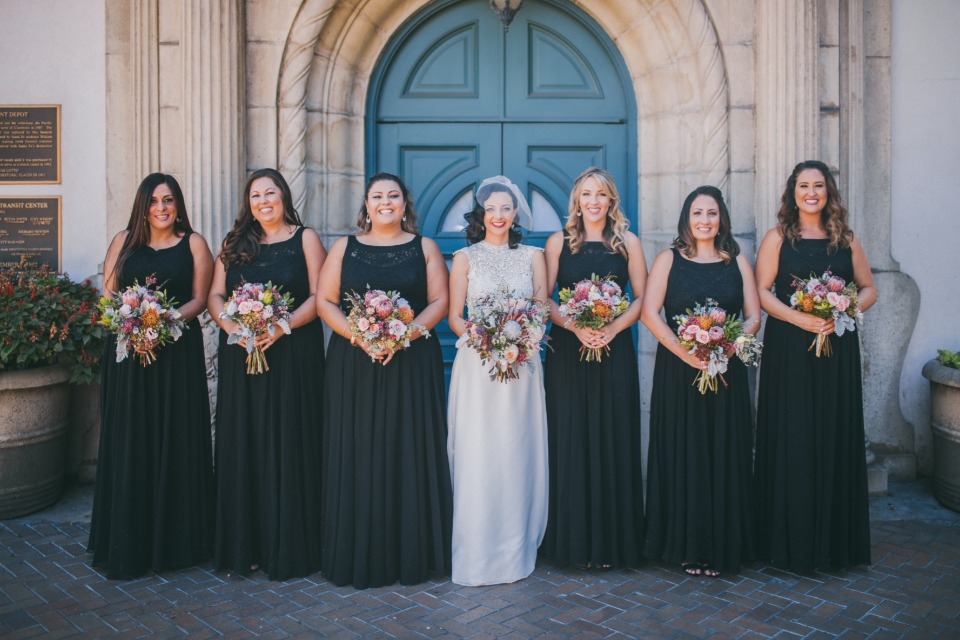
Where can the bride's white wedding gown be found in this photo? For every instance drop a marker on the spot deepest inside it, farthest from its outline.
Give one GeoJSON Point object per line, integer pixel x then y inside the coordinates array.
{"type": "Point", "coordinates": [497, 443]}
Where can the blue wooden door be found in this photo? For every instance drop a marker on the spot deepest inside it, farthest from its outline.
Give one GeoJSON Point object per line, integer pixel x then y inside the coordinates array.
{"type": "Point", "coordinates": [454, 100]}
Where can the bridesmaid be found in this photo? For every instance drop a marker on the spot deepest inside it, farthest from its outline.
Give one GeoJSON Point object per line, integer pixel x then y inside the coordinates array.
{"type": "Point", "coordinates": [593, 408]}
{"type": "Point", "coordinates": [812, 507]}
{"type": "Point", "coordinates": [698, 473]}
{"type": "Point", "coordinates": [154, 493]}
{"type": "Point", "coordinates": [387, 503]}
{"type": "Point", "coordinates": [268, 424]}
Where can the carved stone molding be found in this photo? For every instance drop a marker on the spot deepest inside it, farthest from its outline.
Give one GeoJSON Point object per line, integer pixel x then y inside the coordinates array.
{"type": "Point", "coordinates": [212, 41]}
{"type": "Point", "coordinates": [146, 84]}
{"type": "Point", "coordinates": [788, 98]}
{"type": "Point", "coordinates": [670, 48]}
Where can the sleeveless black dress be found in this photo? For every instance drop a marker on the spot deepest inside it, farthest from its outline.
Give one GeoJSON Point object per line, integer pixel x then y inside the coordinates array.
{"type": "Point", "coordinates": [812, 503]}
{"type": "Point", "coordinates": [593, 421]}
{"type": "Point", "coordinates": [153, 498]}
{"type": "Point", "coordinates": [699, 462]}
{"type": "Point", "coordinates": [387, 501]}
{"type": "Point", "coordinates": [268, 452]}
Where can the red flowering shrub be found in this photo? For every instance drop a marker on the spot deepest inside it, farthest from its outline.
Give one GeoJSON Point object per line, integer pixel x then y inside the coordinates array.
{"type": "Point", "coordinates": [48, 319]}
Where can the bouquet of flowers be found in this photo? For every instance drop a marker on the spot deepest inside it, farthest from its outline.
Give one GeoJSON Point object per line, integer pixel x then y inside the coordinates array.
{"type": "Point", "coordinates": [506, 331]}
{"type": "Point", "coordinates": [142, 318]}
{"type": "Point", "coordinates": [827, 296]}
{"type": "Point", "coordinates": [258, 309]}
{"type": "Point", "coordinates": [593, 303]}
{"type": "Point", "coordinates": [709, 335]}
{"type": "Point", "coordinates": [383, 319]}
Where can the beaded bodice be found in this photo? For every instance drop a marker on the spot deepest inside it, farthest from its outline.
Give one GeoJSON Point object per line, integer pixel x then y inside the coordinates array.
{"type": "Point", "coordinates": [496, 268]}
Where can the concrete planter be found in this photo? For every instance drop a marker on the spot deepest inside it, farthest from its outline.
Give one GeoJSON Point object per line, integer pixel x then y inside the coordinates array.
{"type": "Point", "coordinates": [34, 421]}
{"type": "Point", "coordinates": [945, 425]}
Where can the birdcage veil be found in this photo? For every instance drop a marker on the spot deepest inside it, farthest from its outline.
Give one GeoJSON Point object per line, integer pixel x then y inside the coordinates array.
{"type": "Point", "coordinates": [524, 216]}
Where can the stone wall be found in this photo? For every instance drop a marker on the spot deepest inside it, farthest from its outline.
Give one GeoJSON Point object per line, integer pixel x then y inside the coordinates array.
{"type": "Point", "coordinates": [728, 92]}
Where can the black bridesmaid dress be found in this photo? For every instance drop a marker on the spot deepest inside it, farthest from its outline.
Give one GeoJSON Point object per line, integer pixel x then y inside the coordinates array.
{"type": "Point", "coordinates": [387, 501]}
{"type": "Point", "coordinates": [153, 498]}
{"type": "Point", "coordinates": [699, 497]}
{"type": "Point", "coordinates": [811, 470]}
{"type": "Point", "coordinates": [593, 422]}
{"type": "Point", "coordinates": [268, 451]}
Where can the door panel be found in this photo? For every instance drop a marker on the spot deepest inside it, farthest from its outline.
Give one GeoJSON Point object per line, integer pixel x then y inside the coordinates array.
{"type": "Point", "coordinates": [545, 159]}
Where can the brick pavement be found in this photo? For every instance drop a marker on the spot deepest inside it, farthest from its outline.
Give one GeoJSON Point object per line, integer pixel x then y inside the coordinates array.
{"type": "Point", "coordinates": [912, 590]}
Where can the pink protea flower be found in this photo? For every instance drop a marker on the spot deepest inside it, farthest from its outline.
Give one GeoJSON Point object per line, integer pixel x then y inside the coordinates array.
{"type": "Point", "coordinates": [715, 332]}
{"type": "Point", "coordinates": [130, 298]}
{"type": "Point", "coordinates": [384, 308]}
{"type": "Point", "coordinates": [718, 315]}
{"type": "Point", "coordinates": [835, 283]}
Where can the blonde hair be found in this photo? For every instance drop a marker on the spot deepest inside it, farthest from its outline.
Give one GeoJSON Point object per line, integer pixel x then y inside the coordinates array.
{"type": "Point", "coordinates": [616, 224]}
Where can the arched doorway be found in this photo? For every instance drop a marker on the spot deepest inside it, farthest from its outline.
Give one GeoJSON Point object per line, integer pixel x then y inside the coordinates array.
{"type": "Point", "coordinates": [454, 99]}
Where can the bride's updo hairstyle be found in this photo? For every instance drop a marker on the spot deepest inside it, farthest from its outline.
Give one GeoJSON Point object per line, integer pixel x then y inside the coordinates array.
{"type": "Point", "coordinates": [475, 229]}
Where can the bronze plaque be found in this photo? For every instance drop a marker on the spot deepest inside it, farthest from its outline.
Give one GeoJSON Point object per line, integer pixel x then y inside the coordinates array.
{"type": "Point", "coordinates": [30, 231]}
{"type": "Point", "coordinates": [30, 144]}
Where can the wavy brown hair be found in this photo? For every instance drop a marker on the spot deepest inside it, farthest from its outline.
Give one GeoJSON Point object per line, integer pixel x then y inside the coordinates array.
{"type": "Point", "coordinates": [834, 218]}
{"type": "Point", "coordinates": [409, 225]}
{"type": "Point", "coordinates": [138, 229]}
{"type": "Point", "coordinates": [243, 241]}
{"type": "Point", "coordinates": [616, 224]}
{"type": "Point", "coordinates": [724, 242]}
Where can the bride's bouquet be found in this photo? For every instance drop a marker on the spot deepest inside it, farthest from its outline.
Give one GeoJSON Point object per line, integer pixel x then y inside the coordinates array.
{"type": "Point", "coordinates": [143, 319]}
{"type": "Point", "coordinates": [506, 331]}
{"type": "Point", "coordinates": [827, 296]}
{"type": "Point", "coordinates": [259, 309]}
{"type": "Point", "coordinates": [707, 333]}
{"type": "Point", "coordinates": [593, 303]}
{"type": "Point", "coordinates": [383, 319]}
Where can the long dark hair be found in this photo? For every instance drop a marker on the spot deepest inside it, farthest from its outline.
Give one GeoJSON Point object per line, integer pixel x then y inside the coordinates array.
{"type": "Point", "coordinates": [475, 229]}
{"type": "Point", "coordinates": [138, 229]}
{"type": "Point", "coordinates": [724, 242]}
{"type": "Point", "coordinates": [833, 218]}
{"type": "Point", "coordinates": [409, 224]}
{"type": "Point", "coordinates": [243, 241]}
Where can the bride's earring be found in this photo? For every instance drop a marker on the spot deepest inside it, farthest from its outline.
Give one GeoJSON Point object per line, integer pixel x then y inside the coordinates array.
{"type": "Point", "coordinates": [368, 219]}
{"type": "Point", "coordinates": [404, 218]}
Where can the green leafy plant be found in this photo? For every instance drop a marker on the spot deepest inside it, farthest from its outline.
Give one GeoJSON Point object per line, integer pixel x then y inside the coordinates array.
{"type": "Point", "coordinates": [48, 319]}
{"type": "Point", "coordinates": [948, 359]}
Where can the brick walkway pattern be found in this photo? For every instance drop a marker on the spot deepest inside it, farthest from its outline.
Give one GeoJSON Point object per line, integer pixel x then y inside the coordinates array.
{"type": "Point", "coordinates": [48, 590]}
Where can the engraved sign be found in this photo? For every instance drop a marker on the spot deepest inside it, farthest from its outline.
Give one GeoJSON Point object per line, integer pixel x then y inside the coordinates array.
{"type": "Point", "coordinates": [30, 144]}
{"type": "Point", "coordinates": [30, 231]}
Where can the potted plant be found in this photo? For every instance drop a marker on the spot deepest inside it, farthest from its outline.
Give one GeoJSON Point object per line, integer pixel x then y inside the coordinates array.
{"type": "Point", "coordinates": [50, 338]}
{"type": "Point", "coordinates": [943, 372]}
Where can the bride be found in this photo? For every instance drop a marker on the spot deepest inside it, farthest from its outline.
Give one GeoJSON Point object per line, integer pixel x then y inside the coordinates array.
{"type": "Point", "coordinates": [497, 443]}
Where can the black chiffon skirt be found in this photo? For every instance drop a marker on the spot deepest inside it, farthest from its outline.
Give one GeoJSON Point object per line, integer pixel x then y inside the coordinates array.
{"type": "Point", "coordinates": [593, 420]}
{"type": "Point", "coordinates": [268, 458]}
{"type": "Point", "coordinates": [387, 501]}
{"type": "Point", "coordinates": [812, 500]}
{"type": "Point", "coordinates": [699, 491]}
{"type": "Point", "coordinates": [153, 499]}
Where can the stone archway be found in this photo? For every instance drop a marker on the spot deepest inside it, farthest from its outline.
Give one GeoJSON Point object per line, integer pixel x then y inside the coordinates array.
{"type": "Point", "coordinates": [670, 48]}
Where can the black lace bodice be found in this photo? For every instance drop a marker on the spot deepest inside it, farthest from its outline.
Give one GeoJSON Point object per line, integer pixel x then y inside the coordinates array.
{"type": "Point", "coordinates": [281, 263]}
{"type": "Point", "coordinates": [809, 257]}
{"type": "Point", "coordinates": [692, 282]}
{"type": "Point", "coordinates": [399, 268]}
{"type": "Point", "coordinates": [173, 268]}
{"type": "Point", "coordinates": [593, 258]}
